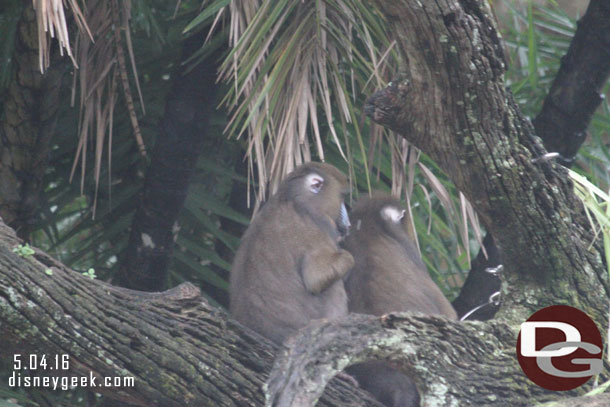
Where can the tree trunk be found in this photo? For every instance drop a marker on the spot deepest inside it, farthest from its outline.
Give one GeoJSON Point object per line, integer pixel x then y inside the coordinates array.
{"type": "Point", "coordinates": [180, 351]}
{"type": "Point", "coordinates": [568, 109]}
{"type": "Point", "coordinates": [576, 92]}
{"type": "Point", "coordinates": [183, 134]}
{"type": "Point", "coordinates": [451, 103]}
{"type": "Point", "coordinates": [27, 125]}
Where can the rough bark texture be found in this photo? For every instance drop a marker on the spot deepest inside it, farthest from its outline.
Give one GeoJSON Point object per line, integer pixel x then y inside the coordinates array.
{"type": "Point", "coordinates": [180, 351]}
{"type": "Point", "coordinates": [452, 104]}
{"type": "Point", "coordinates": [483, 370]}
{"type": "Point", "coordinates": [453, 363]}
{"type": "Point", "coordinates": [27, 125]}
{"type": "Point", "coordinates": [174, 158]}
{"type": "Point", "coordinates": [565, 116]}
{"type": "Point", "coordinates": [602, 400]}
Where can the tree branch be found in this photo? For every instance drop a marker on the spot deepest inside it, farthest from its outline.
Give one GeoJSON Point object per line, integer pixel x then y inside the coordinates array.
{"type": "Point", "coordinates": [576, 90]}
{"type": "Point", "coordinates": [180, 351]}
{"type": "Point", "coordinates": [452, 104]}
{"type": "Point", "coordinates": [483, 367]}
{"type": "Point", "coordinates": [174, 158]}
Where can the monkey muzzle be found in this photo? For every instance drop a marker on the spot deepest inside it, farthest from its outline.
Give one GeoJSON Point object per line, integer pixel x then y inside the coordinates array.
{"type": "Point", "coordinates": [344, 224]}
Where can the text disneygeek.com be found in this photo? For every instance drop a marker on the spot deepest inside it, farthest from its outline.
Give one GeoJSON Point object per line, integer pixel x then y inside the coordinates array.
{"type": "Point", "coordinates": [28, 372]}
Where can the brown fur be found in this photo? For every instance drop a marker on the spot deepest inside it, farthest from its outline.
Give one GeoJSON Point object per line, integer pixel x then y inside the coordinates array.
{"type": "Point", "coordinates": [288, 269]}
{"type": "Point", "coordinates": [388, 276]}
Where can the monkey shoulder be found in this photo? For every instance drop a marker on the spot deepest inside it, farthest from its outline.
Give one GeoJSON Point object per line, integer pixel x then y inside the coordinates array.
{"type": "Point", "coordinates": [285, 214]}
{"type": "Point", "coordinates": [277, 240]}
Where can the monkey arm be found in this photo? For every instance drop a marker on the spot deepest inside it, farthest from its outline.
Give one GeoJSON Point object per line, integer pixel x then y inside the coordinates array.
{"type": "Point", "coordinates": [322, 267]}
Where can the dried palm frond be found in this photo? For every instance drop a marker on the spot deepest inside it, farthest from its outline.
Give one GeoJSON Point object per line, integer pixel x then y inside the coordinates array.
{"type": "Point", "coordinates": [289, 59]}
{"type": "Point", "coordinates": [51, 21]}
{"type": "Point", "coordinates": [100, 54]}
{"type": "Point", "coordinates": [293, 61]}
{"type": "Point", "coordinates": [102, 67]}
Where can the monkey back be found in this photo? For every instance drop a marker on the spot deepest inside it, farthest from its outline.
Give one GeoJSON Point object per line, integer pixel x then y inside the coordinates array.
{"type": "Point", "coordinates": [283, 250]}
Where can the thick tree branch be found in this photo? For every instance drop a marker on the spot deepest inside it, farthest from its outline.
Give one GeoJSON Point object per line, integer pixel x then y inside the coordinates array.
{"type": "Point", "coordinates": [601, 400]}
{"type": "Point", "coordinates": [452, 104]}
{"type": "Point", "coordinates": [180, 351]}
{"type": "Point", "coordinates": [452, 363]}
{"type": "Point", "coordinates": [576, 91]}
{"type": "Point", "coordinates": [565, 116]}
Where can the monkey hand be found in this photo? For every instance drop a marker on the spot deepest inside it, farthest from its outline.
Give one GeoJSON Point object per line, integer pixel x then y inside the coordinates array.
{"type": "Point", "coordinates": [344, 262]}
{"type": "Point", "coordinates": [321, 268]}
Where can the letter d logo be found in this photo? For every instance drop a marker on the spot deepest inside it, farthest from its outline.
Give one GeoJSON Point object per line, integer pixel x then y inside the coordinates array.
{"type": "Point", "coordinates": [528, 338]}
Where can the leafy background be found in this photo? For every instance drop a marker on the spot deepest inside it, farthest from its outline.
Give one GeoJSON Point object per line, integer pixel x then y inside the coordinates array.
{"type": "Point", "coordinates": [265, 69]}
{"type": "Point", "coordinates": [536, 36]}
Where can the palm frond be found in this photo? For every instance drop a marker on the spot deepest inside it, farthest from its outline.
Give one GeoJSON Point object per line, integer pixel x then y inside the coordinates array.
{"type": "Point", "coordinates": [51, 21]}
{"type": "Point", "coordinates": [290, 62]}
{"type": "Point", "coordinates": [102, 68]}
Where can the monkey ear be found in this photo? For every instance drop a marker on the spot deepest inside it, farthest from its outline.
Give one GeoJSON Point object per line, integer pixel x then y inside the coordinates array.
{"type": "Point", "coordinates": [392, 214]}
{"type": "Point", "coordinates": [314, 182]}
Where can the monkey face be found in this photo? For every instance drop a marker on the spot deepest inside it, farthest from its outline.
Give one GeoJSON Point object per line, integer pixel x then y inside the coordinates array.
{"type": "Point", "coordinates": [318, 189]}
{"type": "Point", "coordinates": [392, 214]}
{"type": "Point", "coordinates": [327, 196]}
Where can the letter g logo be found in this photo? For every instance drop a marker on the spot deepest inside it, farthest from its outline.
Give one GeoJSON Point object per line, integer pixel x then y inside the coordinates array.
{"type": "Point", "coordinates": [555, 344]}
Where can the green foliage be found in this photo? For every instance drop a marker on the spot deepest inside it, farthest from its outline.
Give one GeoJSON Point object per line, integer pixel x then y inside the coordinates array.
{"type": "Point", "coordinates": [597, 209]}
{"type": "Point", "coordinates": [23, 250]}
{"type": "Point", "coordinates": [66, 227]}
{"type": "Point", "coordinates": [90, 273]}
{"type": "Point", "coordinates": [536, 38]}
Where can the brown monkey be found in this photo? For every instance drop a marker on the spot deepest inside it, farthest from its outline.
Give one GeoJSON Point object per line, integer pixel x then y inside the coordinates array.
{"type": "Point", "coordinates": [289, 268]}
{"type": "Point", "coordinates": [388, 276]}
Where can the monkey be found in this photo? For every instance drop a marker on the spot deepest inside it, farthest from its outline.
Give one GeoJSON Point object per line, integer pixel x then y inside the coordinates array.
{"type": "Point", "coordinates": [388, 276]}
{"type": "Point", "coordinates": [289, 268]}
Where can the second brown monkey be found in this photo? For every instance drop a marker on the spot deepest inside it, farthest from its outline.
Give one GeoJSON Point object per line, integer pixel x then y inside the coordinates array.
{"type": "Point", "coordinates": [388, 276]}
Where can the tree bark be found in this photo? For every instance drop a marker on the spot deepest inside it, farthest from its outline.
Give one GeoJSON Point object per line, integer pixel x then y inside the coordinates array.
{"type": "Point", "coordinates": [568, 109]}
{"type": "Point", "coordinates": [483, 370]}
{"type": "Point", "coordinates": [180, 351]}
{"type": "Point", "coordinates": [27, 125]}
{"type": "Point", "coordinates": [452, 363]}
{"type": "Point", "coordinates": [451, 103]}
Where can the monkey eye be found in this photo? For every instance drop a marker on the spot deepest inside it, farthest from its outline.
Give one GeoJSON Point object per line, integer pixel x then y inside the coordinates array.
{"type": "Point", "coordinates": [315, 183]}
